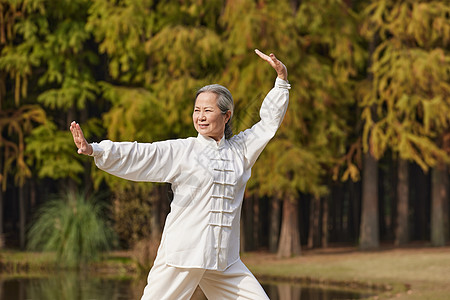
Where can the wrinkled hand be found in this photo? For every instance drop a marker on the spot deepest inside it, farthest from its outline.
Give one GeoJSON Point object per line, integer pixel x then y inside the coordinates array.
{"type": "Point", "coordinates": [275, 63]}
{"type": "Point", "coordinates": [78, 137]}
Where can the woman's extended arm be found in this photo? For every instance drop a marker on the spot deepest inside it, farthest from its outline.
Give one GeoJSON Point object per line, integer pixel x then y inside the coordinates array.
{"type": "Point", "coordinates": [155, 162]}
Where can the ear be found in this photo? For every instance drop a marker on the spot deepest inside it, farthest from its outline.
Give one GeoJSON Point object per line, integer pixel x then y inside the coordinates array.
{"type": "Point", "coordinates": [227, 116]}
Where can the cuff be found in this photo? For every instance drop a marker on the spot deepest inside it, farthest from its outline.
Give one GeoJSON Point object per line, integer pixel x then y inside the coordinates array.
{"type": "Point", "coordinates": [96, 149]}
{"type": "Point", "coordinates": [280, 83]}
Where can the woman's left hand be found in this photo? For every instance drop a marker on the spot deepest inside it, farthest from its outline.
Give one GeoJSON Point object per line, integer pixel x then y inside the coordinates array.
{"type": "Point", "coordinates": [275, 63]}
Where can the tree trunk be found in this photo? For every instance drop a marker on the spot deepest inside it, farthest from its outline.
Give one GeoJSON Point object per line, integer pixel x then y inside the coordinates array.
{"type": "Point", "coordinates": [242, 236]}
{"type": "Point", "coordinates": [439, 197]}
{"type": "Point", "coordinates": [155, 199]}
{"type": "Point", "coordinates": [290, 234]}
{"type": "Point", "coordinates": [2, 240]}
{"type": "Point", "coordinates": [314, 223]}
{"type": "Point", "coordinates": [420, 202]}
{"type": "Point", "coordinates": [274, 229]}
{"type": "Point", "coordinates": [355, 207]}
{"type": "Point", "coordinates": [402, 226]}
{"type": "Point", "coordinates": [324, 238]}
{"type": "Point", "coordinates": [248, 222]}
{"type": "Point", "coordinates": [310, 240]}
{"type": "Point", "coordinates": [256, 223]}
{"type": "Point", "coordinates": [164, 206]}
{"type": "Point", "coordinates": [369, 233]}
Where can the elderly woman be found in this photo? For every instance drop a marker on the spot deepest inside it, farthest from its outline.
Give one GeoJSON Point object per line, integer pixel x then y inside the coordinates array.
{"type": "Point", "coordinates": [208, 174]}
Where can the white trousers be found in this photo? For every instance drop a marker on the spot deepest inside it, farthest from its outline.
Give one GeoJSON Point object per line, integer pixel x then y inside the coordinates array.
{"type": "Point", "coordinates": [171, 283]}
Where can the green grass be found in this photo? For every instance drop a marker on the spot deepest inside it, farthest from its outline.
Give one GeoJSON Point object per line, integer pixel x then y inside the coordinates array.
{"type": "Point", "coordinates": [17, 264]}
{"type": "Point", "coordinates": [402, 273]}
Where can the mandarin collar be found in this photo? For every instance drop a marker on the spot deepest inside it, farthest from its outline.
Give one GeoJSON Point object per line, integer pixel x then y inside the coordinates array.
{"type": "Point", "coordinates": [210, 141]}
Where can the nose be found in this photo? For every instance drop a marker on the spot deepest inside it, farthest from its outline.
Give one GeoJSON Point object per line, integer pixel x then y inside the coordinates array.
{"type": "Point", "coordinates": [202, 116]}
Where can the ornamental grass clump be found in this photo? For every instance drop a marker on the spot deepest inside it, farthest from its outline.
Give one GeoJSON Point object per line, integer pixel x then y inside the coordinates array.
{"type": "Point", "coordinates": [73, 226]}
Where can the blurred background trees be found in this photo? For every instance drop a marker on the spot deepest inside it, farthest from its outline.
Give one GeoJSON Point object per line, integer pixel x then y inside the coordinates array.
{"type": "Point", "coordinates": [361, 158]}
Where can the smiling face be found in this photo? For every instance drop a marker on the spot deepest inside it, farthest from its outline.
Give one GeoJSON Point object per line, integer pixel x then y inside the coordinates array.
{"type": "Point", "coordinates": [207, 117]}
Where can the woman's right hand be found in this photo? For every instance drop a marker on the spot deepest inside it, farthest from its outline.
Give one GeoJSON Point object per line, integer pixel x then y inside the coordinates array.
{"type": "Point", "coordinates": [279, 67]}
{"type": "Point", "coordinates": [78, 137]}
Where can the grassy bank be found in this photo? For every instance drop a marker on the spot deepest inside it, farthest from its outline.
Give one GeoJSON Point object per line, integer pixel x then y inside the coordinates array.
{"type": "Point", "coordinates": [420, 273]}
{"type": "Point", "coordinates": [413, 273]}
{"type": "Point", "coordinates": [37, 264]}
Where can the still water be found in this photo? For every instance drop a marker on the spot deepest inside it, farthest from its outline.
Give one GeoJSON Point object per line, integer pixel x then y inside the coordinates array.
{"type": "Point", "coordinates": [83, 287]}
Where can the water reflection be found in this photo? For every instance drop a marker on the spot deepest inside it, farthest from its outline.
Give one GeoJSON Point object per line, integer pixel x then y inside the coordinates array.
{"type": "Point", "coordinates": [290, 291]}
{"type": "Point", "coordinates": [72, 286]}
{"type": "Point", "coordinates": [286, 291]}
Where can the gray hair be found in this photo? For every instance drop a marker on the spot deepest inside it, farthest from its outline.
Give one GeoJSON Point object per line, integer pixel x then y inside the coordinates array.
{"type": "Point", "coordinates": [224, 102]}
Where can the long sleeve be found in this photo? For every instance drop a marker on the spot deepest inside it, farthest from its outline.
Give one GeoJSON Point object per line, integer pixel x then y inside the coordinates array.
{"type": "Point", "coordinates": [156, 162]}
{"type": "Point", "coordinates": [272, 113]}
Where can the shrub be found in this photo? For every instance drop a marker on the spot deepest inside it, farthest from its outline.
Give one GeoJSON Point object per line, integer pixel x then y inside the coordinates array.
{"type": "Point", "coordinates": [72, 226]}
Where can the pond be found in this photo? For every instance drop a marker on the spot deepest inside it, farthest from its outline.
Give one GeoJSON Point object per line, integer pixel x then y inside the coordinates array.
{"type": "Point", "coordinates": [70, 286]}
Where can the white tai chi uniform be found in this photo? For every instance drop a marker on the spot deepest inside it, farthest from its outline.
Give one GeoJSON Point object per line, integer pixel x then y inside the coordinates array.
{"type": "Point", "coordinates": [200, 241]}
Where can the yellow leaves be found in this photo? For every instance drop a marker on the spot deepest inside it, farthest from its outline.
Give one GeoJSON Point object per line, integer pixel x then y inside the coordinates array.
{"type": "Point", "coordinates": [351, 162]}
{"type": "Point", "coordinates": [422, 150]}
{"type": "Point", "coordinates": [131, 110]}
{"type": "Point", "coordinates": [379, 140]}
{"type": "Point", "coordinates": [286, 166]}
{"type": "Point", "coordinates": [435, 114]}
{"type": "Point", "coordinates": [333, 26]}
{"type": "Point", "coordinates": [243, 20]}
{"type": "Point", "coordinates": [374, 15]}
{"type": "Point", "coordinates": [121, 28]}
{"type": "Point", "coordinates": [422, 23]}
{"type": "Point", "coordinates": [408, 106]}
{"type": "Point", "coordinates": [434, 13]}
{"type": "Point", "coordinates": [366, 116]}
{"type": "Point", "coordinates": [352, 172]}
{"type": "Point", "coordinates": [17, 123]}
{"type": "Point", "coordinates": [182, 50]}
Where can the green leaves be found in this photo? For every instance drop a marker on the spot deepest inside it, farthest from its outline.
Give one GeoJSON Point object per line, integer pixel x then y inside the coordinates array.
{"type": "Point", "coordinates": [48, 55]}
{"type": "Point", "coordinates": [52, 153]}
{"type": "Point", "coordinates": [73, 93]}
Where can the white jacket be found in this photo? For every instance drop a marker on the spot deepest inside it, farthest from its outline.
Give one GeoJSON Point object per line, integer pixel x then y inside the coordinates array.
{"type": "Point", "coordinates": [208, 182]}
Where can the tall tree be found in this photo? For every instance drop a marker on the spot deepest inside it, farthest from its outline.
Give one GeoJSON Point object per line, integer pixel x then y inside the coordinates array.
{"type": "Point", "coordinates": [410, 87]}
